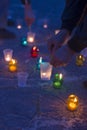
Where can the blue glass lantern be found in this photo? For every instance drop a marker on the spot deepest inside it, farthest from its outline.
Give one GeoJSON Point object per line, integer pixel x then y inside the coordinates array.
{"type": "Point", "coordinates": [24, 41]}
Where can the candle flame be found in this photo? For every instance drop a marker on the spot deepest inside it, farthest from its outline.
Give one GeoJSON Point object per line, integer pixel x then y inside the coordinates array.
{"type": "Point", "coordinates": [44, 74]}
{"type": "Point", "coordinates": [8, 58]}
{"type": "Point", "coordinates": [30, 39]}
{"type": "Point", "coordinates": [60, 76]}
{"type": "Point", "coordinates": [40, 60]}
{"type": "Point", "coordinates": [13, 61]}
{"type": "Point", "coordinates": [19, 26]}
{"type": "Point", "coordinates": [45, 26]}
{"type": "Point", "coordinates": [80, 56]}
{"type": "Point", "coordinates": [75, 100]}
{"type": "Point", "coordinates": [34, 48]}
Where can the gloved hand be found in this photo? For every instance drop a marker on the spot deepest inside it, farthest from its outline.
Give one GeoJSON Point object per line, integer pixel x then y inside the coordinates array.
{"type": "Point", "coordinates": [58, 40]}
{"type": "Point", "coordinates": [62, 56]}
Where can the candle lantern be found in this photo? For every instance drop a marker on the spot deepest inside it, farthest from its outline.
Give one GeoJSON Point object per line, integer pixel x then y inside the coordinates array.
{"type": "Point", "coordinates": [45, 22]}
{"type": "Point", "coordinates": [8, 54]}
{"type": "Point", "coordinates": [24, 41]}
{"type": "Point", "coordinates": [34, 52]}
{"type": "Point", "coordinates": [45, 70]}
{"type": "Point", "coordinates": [30, 37]}
{"type": "Point", "coordinates": [72, 102]}
{"type": "Point", "coordinates": [19, 26]}
{"type": "Point", "coordinates": [13, 65]}
{"type": "Point", "coordinates": [58, 80]}
{"type": "Point", "coordinates": [80, 60]}
{"type": "Point", "coordinates": [19, 23]}
{"type": "Point", "coordinates": [45, 26]}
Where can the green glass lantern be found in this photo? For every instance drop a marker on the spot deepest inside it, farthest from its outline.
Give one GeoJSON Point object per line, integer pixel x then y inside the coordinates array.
{"type": "Point", "coordinates": [58, 80]}
{"type": "Point", "coordinates": [24, 41]}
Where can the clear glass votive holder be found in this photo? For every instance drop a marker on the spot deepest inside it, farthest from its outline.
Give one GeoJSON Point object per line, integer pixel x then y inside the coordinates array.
{"type": "Point", "coordinates": [45, 70]}
{"type": "Point", "coordinates": [8, 53]}
{"type": "Point", "coordinates": [22, 79]}
{"type": "Point", "coordinates": [30, 37]}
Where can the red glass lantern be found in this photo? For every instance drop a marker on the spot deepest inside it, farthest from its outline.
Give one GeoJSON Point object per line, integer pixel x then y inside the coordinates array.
{"type": "Point", "coordinates": [34, 52]}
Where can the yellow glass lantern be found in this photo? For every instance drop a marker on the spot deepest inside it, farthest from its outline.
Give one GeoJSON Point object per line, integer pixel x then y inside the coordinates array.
{"type": "Point", "coordinates": [80, 60]}
{"type": "Point", "coordinates": [72, 102]}
{"type": "Point", "coordinates": [13, 65]}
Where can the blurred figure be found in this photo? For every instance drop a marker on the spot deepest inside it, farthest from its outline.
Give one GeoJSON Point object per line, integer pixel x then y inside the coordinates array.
{"type": "Point", "coordinates": [4, 4]}
{"type": "Point", "coordinates": [29, 15]}
{"type": "Point", "coordinates": [65, 44]}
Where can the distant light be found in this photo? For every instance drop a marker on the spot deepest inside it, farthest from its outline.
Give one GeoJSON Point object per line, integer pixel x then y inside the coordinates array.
{"type": "Point", "coordinates": [45, 25]}
{"type": "Point", "coordinates": [19, 26]}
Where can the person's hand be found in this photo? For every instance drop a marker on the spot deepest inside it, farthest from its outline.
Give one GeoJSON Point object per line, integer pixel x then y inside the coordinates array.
{"type": "Point", "coordinates": [29, 15]}
{"type": "Point", "coordinates": [62, 56]}
{"type": "Point", "coordinates": [58, 40]}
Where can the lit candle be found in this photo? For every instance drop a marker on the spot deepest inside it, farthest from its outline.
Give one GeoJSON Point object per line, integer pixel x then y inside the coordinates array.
{"type": "Point", "coordinates": [45, 70]}
{"type": "Point", "coordinates": [44, 74]}
{"type": "Point", "coordinates": [34, 52]}
{"type": "Point", "coordinates": [72, 102]}
{"type": "Point", "coordinates": [30, 37]}
{"type": "Point", "coordinates": [60, 76]}
{"type": "Point", "coordinates": [19, 26]}
{"type": "Point", "coordinates": [80, 60]}
{"type": "Point", "coordinates": [45, 25]}
{"type": "Point", "coordinates": [8, 54]}
{"type": "Point", "coordinates": [13, 65]}
{"type": "Point", "coordinates": [8, 58]}
{"type": "Point", "coordinates": [58, 80]}
{"type": "Point", "coordinates": [19, 23]}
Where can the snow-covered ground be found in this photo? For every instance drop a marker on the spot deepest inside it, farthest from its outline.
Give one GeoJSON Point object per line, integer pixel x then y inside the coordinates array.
{"type": "Point", "coordinates": [39, 106]}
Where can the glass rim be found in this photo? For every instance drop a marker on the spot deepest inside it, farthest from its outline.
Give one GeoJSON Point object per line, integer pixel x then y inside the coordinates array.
{"type": "Point", "coordinates": [8, 49]}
